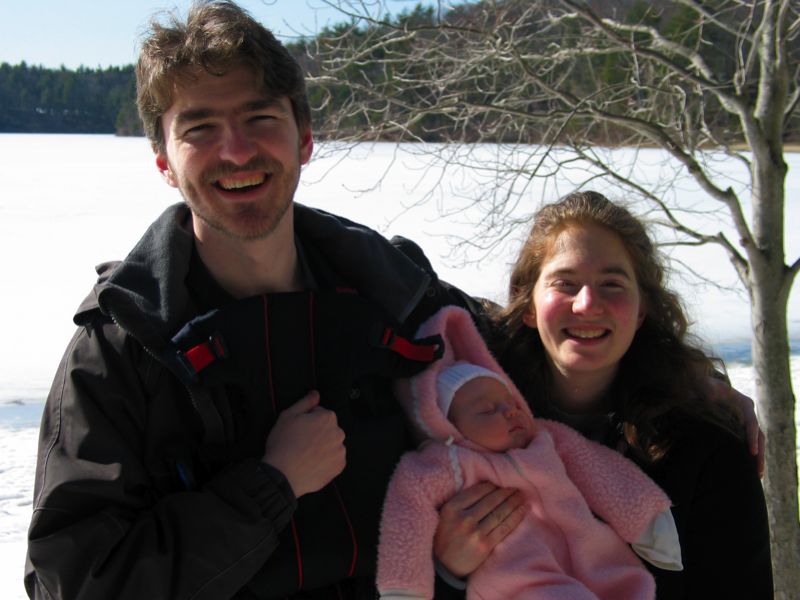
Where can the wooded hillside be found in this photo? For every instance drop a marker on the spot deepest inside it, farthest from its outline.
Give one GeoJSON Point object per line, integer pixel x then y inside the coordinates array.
{"type": "Point", "coordinates": [34, 99]}
{"type": "Point", "coordinates": [40, 100]}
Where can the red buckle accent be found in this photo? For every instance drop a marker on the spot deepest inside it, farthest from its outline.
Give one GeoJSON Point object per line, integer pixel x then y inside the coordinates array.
{"type": "Point", "coordinates": [407, 349]}
{"type": "Point", "coordinates": [206, 353]}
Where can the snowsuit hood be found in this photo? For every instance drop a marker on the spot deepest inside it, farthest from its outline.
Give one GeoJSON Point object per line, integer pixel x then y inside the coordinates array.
{"type": "Point", "coordinates": [462, 344]}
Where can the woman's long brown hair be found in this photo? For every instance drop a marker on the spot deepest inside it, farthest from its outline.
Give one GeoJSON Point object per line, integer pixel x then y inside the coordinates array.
{"type": "Point", "coordinates": [663, 373]}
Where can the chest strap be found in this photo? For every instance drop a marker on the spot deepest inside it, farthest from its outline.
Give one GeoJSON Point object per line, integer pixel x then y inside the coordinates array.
{"type": "Point", "coordinates": [424, 350]}
{"type": "Point", "coordinates": [198, 357]}
{"type": "Point", "coordinates": [202, 355]}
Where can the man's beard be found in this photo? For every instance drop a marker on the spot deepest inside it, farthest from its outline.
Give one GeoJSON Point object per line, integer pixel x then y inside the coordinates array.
{"type": "Point", "coordinates": [248, 221]}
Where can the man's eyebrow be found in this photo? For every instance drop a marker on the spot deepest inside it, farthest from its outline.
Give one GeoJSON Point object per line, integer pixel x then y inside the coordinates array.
{"type": "Point", "coordinates": [198, 114]}
{"type": "Point", "coordinates": [263, 104]}
{"type": "Point", "coordinates": [193, 114]}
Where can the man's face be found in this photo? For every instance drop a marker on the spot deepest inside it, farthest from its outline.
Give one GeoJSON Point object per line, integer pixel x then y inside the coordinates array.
{"type": "Point", "coordinates": [233, 152]}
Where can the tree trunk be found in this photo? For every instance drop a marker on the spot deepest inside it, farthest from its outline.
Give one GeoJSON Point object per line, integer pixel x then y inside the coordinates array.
{"type": "Point", "coordinates": [769, 282]}
{"type": "Point", "coordinates": [776, 406]}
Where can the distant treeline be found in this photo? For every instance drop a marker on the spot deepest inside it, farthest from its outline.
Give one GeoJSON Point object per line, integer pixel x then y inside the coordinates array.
{"type": "Point", "coordinates": [38, 100]}
{"type": "Point", "coordinates": [34, 99]}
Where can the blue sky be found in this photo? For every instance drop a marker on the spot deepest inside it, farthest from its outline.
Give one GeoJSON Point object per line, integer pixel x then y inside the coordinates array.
{"type": "Point", "coordinates": [105, 32]}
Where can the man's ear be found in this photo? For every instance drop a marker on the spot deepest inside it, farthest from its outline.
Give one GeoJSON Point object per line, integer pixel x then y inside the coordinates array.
{"type": "Point", "coordinates": [306, 145]}
{"type": "Point", "coordinates": [163, 166]}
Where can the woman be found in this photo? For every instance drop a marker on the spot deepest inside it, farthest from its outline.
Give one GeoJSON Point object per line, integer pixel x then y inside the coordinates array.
{"type": "Point", "coordinates": [593, 339]}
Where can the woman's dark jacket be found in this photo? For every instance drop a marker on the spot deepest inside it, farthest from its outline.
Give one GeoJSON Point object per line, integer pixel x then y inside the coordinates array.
{"type": "Point", "coordinates": [148, 481]}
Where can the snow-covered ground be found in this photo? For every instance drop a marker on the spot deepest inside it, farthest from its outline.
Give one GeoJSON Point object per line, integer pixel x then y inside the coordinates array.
{"type": "Point", "coordinates": [18, 436]}
{"type": "Point", "coordinates": [70, 202]}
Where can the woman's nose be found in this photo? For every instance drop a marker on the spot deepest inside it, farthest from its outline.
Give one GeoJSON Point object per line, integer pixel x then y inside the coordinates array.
{"type": "Point", "coordinates": [586, 301]}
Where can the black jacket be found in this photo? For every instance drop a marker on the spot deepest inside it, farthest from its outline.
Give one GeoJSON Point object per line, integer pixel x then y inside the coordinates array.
{"type": "Point", "coordinates": [148, 481]}
{"type": "Point", "coordinates": [721, 515]}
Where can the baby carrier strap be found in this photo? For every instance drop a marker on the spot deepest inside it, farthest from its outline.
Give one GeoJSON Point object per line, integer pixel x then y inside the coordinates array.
{"type": "Point", "coordinates": [289, 343]}
{"type": "Point", "coordinates": [247, 361]}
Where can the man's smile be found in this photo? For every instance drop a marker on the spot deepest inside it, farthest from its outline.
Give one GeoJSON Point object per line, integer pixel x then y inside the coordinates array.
{"type": "Point", "coordinates": [241, 182]}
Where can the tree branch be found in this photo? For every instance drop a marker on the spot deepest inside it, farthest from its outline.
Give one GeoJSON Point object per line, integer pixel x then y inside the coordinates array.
{"type": "Point", "coordinates": [610, 27]}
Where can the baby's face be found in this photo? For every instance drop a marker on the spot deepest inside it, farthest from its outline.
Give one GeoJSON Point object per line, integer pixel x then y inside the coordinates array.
{"type": "Point", "coordinates": [485, 413]}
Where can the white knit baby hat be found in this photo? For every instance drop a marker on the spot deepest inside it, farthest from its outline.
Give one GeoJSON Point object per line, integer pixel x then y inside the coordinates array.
{"type": "Point", "coordinates": [452, 378]}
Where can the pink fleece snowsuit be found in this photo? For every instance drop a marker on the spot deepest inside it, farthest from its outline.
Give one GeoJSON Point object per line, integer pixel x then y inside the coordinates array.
{"type": "Point", "coordinates": [560, 550]}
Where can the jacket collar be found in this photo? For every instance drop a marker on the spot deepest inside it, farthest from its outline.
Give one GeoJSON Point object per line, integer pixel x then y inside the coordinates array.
{"type": "Point", "coordinates": [146, 295]}
{"type": "Point", "coordinates": [365, 259]}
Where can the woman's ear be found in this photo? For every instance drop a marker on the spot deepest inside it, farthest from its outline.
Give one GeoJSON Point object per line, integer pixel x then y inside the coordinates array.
{"type": "Point", "coordinates": [529, 318]}
{"type": "Point", "coordinates": [642, 314]}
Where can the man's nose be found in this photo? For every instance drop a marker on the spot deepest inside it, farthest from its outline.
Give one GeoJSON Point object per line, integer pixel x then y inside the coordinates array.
{"type": "Point", "coordinates": [237, 147]}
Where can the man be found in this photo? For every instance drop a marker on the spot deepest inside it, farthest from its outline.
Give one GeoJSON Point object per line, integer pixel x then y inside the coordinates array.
{"type": "Point", "coordinates": [221, 424]}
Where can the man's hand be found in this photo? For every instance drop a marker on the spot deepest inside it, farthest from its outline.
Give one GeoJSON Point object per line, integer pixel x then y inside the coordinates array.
{"type": "Point", "coordinates": [721, 391]}
{"type": "Point", "coordinates": [306, 445]}
{"type": "Point", "coordinates": [472, 523]}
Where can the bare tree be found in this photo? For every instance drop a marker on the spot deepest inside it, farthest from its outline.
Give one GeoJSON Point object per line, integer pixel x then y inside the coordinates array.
{"type": "Point", "coordinates": [696, 79]}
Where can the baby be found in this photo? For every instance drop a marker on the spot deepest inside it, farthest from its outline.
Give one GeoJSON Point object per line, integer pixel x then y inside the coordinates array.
{"type": "Point", "coordinates": [479, 428]}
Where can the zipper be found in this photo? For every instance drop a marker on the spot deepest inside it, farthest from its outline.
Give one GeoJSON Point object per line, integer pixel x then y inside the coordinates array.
{"type": "Point", "coordinates": [155, 357]}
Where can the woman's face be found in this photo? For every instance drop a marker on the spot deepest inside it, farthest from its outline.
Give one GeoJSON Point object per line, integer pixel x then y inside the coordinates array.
{"type": "Point", "coordinates": [586, 304]}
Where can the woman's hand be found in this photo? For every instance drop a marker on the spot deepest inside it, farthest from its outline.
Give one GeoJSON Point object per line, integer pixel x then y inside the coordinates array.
{"type": "Point", "coordinates": [472, 523]}
{"type": "Point", "coordinates": [744, 406]}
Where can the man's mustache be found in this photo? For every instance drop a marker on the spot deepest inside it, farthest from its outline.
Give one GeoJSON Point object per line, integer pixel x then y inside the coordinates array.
{"type": "Point", "coordinates": [227, 169]}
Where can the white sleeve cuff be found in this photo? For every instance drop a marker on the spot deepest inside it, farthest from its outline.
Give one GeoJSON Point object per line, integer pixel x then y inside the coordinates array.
{"type": "Point", "coordinates": [400, 595]}
{"type": "Point", "coordinates": [659, 544]}
{"type": "Point", "coordinates": [450, 579]}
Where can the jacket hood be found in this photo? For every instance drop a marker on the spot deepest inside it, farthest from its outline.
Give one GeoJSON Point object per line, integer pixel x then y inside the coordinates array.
{"type": "Point", "coordinates": [146, 294]}
{"type": "Point", "coordinates": [463, 344]}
